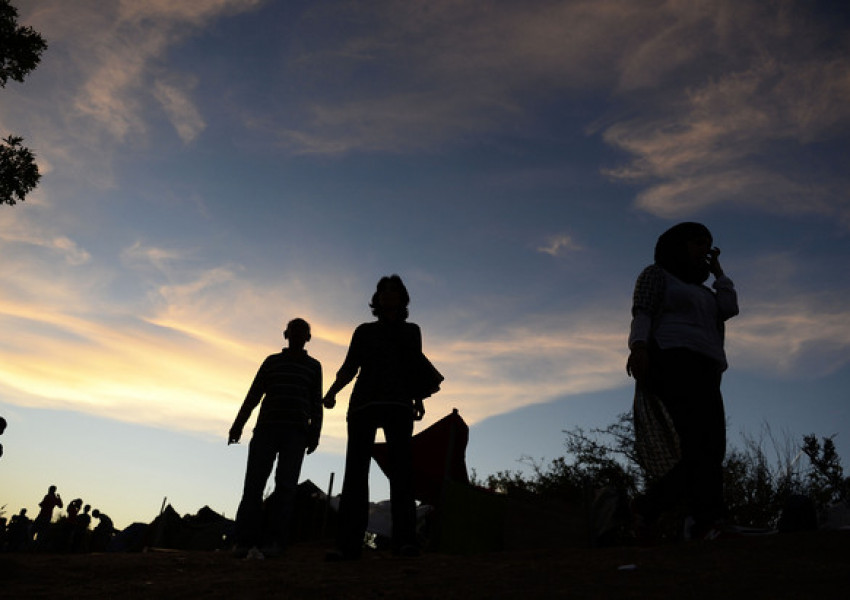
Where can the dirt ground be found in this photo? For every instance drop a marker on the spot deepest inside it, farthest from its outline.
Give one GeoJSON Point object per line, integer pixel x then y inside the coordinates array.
{"type": "Point", "coordinates": [800, 565]}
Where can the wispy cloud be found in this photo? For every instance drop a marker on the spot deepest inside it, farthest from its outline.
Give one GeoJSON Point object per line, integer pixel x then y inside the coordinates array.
{"type": "Point", "coordinates": [182, 112]}
{"type": "Point", "coordinates": [727, 95]}
{"type": "Point", "coordinates": [110, 65]}
{"type": "Point", "coordinates": [733, 137]}
{"type": "Point", "coordinates": [786, 329]}
{"type": "Point", "coordinates": [801, 336]}
{"type": "Point", "coordinates": [558, 245]}
{"type": "Point", "coordinates": [19, 229]}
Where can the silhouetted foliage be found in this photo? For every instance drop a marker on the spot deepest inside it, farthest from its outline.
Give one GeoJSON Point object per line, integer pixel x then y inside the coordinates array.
{"type": "Point", "coordinates": [825, 481]}
{"type": "Point", "coordinates": [18, 172]}
{"type": "Point", "coordinates": [757, 485]}
{"type": "Point", "coordinates": [20, 46]}
{"type": "Point", "coordinates": [20, 52]}
{"type": "Point", "coordinates": [601, 458]}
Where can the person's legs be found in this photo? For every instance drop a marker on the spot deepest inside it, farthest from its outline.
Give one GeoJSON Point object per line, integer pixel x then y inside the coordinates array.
{"type": "Point", "coordinates": [261, 455]}
{"type": "Point", "coordinates": [398, 430]}
{"type": "Point", "coordinates": [705, 486]}
{"type": "Point", "coordinates": [290, 456]}
{"type": "Point", "coordinates": [354, 502]}
{"type": "Point", "coordinates": [689, 386]}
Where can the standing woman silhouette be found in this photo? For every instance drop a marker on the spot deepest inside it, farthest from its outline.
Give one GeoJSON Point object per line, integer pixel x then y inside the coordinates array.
{"type": "Point", "coordinates": [677, 357]}
{"type": "Point", "coordinates": [383, 354]}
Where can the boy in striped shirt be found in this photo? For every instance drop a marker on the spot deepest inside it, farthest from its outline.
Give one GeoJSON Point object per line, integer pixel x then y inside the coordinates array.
{"type": "Point", "coordinates": [289, 385]}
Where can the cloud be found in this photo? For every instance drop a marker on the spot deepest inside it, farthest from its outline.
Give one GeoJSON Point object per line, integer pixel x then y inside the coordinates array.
{"type": "Point", "coordinates": [538, 359]}
{"type": "Point", "coordinates": [183, 114]}
{"type": "Point", "coordinates": [140, 256]}
{"type": "Point", "coordinates": [410, 77]}
{"type": "Point", "coordinates": [801, 336]}
{"type": "Point", "coordinates": [558, 245]}
{"type": "Point", "coordinates": [715, 103]}
{"type": "Point", "coordinates": [19, 229]}
{"type": "Point", "coordinates": [107, 61]}
{"type": "Point", "coordinates": [743, 136]}
{"type": "Point", "coordinates": [786, 329]}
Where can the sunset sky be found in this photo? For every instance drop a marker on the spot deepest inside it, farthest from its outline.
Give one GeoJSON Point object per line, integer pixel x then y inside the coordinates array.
{"type": "Point", "coordinates": [213, 168]}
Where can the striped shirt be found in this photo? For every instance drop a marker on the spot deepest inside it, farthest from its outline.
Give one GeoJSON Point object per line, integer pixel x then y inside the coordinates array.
{"type": "Point", "coordinates": [289, 384]}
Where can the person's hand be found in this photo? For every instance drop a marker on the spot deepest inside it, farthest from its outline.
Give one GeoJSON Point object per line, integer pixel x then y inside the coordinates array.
{"type": "Point", "coordinates": [329, 401]}
{"type": "Point", "coordinates": [234, 435]}
{"type": "Point", "coordinates": [418, 410]}
{"type": "Point", "coordinates": [714, 263]}
{"type": "Point", "coordinates": [637, 365]}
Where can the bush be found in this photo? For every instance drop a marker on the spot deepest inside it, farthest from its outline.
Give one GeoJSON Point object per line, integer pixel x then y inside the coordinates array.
{"type": "Point", "coordinates": [757, 485]}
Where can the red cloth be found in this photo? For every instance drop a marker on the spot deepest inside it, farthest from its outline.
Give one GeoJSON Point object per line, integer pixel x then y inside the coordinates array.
{"type": "Point", "coordinates": [439, 453]}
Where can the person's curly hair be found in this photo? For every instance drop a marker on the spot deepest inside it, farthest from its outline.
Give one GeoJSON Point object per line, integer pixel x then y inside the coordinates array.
{"type": "Point", "coordinates": [405, 297]}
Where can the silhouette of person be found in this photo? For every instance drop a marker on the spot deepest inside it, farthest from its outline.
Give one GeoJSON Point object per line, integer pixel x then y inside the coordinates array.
{"type": "Point", "coordinates": [42, 521]}
{"type": "Point", "coordinates": [102, 534]}
{"type": "Point", "coordinates": [383, 354]}
{"type": "Point", "coordinates": [677, 355]}
{"type": "Point", "coordinates": [289, 384]}
{"type": "Point", "coordinates": [74, 507]}
{"type": "Point", "coordinates": [4, 534]}
{"type": "Point", "coordinates": [80, 533]}
{"type": "Point", "coordinates": [19, 531]}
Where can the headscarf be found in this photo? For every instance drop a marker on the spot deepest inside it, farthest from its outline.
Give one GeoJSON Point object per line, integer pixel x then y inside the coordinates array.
{"type": "Point", "coordinates": [671, 252]}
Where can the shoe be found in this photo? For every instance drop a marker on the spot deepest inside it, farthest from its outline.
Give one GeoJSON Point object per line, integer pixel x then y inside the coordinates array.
{"type": "Point", "coordinates": [254, 554]}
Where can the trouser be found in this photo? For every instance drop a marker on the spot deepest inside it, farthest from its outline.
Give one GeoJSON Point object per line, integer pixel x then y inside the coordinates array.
{"type": "Point", "coordinates": [363, 425]}
{"type": "Point", "coordinates": [688, 384]}
{"type": "Point", "coordinates": [287, 444]}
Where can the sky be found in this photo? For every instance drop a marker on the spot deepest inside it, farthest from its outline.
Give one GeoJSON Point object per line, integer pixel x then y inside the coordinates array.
{"type": "Point", "coordinates": [214, 168]}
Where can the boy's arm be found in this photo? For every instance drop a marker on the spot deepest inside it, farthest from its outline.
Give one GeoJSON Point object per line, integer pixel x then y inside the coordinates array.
{"type": "Point", "coordinates": [252, 399]}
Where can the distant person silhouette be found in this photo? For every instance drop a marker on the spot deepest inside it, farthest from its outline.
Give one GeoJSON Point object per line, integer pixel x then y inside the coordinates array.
{"type": "Point", "coordinates": [19, 531]}
{"type": "Point", "coordinates": [80, 533]}
{"type": "Point", "coordinates": [289, 384]}
{"type": "Point", "coordinates": [103, 532]}
{"type": "Point", "coordinates": [42, 521]}
{"type": "Point", "coordinates": [4, 535]}
{"type": "Point", "coordinates": [384, 355]}
{"type": "Point", "coordinates": [677, 358]}
{"type": "Point", "coordinates": [74, 508]}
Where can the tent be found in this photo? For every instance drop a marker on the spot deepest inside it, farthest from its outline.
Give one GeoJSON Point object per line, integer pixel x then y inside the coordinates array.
{"type": "Point", "coordinates": [206, 530]}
